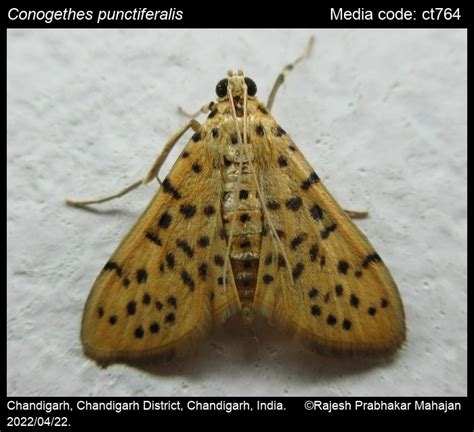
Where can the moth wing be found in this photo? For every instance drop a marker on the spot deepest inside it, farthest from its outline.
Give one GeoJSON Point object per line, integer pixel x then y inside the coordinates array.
{"type": "Point", "coordinates": [159, 291]}
{"type": "Point", "coordinates": [340, 297]}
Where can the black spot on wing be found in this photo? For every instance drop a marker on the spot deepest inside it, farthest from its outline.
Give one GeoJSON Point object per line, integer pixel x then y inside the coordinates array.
{"type": "Point", "coordinates": [154, 327]}
{"type": "Point", "coordinates": [312, 179]}
{"type": "Point", "coordinates": [139, 332]}
{"type": "Point", "coordinates": [273, 205]}
{"type": "Point", "coordinates": [298, 240]}
{"type": "Point", "coordinates": [342, 267]}
{"type": "Point", "coordinates": [197, 168]}
{"type": "Point", "coordinates": [294, 203]}
{"type": "Point", "coordinates": [328, 230]}
{"type": "Point", "coordinates": [172, 301]}
{"type": "Point", "coordinates": [313, 252]}
{"type": "Point", "coordinates": [371, 311]}
{"type": "Point", "coordinates": [282, 161]}
{"type": "Point", "coordinates": [316, 212]}
{"type": "Point", "coordinates": [142, 275]}
{"type": "Point", "coordinates": [223, 234]}
{"type": "Point", "coordinates": [267, 279]}
{"type": "Point", "coordinates": [281, 261]}
{"type": "Point", "coordinates": [113, 266]}
{"type": "Point", "coordinates": [184, 246]}
{"type": "Point", "coordinates": [268, 259]}
{"type": "Point", "coordinates": [209, 210]}
{"type": "Point", "coordinates": [281, 234]}
{"type": "Point", "coordinates": [188, 210]}
{"type": "Point", "coordinates": [165, 220]}
{"type": "Point", "coordinates": [170, 261]}
{"type": "Point", "coordinates": [354, 300]}
{"type": "Point", "coordinates": [279, 131]}
{"type": "Point", "coordinates": [297, 270]}
{"type": "Point", "coordinates": [131, 307]}
{"type": "Point", "coordinates": [170, 318]}
{"type": "Point", "coordinates": [203, 241]}
{"type": "Point", "coordinates": [372, 258]}
{"type": "Point", "coordinates": [170, 189]}
{"type": "Point", "coordinates": [187, 279]}
{"type": "Point", "coordinates": [202, 271]}
{"type": "Point", "coordinates": [153, 238]}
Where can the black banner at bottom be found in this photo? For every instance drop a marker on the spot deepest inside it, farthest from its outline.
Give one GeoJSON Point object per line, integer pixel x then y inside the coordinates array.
{"type": "Point", "coordinates": [77, 412]}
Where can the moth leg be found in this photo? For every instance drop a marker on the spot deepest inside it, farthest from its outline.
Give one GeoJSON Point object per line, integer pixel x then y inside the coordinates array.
{"type": "Point", "coordinates": [160, 160]}
{"type": "Point", "coordinates": [286, 70]}
{"type": "Point", "coordinates": [152, 173]}
{"type": "Point", "coordinates": [203, 110]}
{"type": "Point", "coordinates": [353, 214]}
{"type": "Point", "coordinates": [123, 192]}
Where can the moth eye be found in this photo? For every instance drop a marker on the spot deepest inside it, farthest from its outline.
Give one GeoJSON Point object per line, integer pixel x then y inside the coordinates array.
{"type": "Point", "coordinates": [251, 86]}
{"type": "Point", "coordinates": [221, 87]}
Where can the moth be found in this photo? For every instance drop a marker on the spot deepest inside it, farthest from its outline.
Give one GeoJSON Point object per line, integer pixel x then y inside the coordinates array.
{"type": "Point", "coordinates": [241, 224]}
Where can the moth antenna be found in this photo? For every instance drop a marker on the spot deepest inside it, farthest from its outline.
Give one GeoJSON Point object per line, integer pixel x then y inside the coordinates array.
{"type": "Point", "coordinates": [286, 70]}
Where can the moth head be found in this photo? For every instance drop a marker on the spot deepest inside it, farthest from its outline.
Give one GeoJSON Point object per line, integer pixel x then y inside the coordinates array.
{"type": "Point", "coordinates": [235, 83]}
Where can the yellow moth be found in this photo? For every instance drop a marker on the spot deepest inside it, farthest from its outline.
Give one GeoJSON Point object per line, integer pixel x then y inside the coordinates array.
{"type": "Point", "coordinates": [242, 223]}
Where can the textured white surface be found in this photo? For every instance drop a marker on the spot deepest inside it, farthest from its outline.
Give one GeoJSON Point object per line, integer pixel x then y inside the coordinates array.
{"type": "Point", "coordinates": [381, 114]}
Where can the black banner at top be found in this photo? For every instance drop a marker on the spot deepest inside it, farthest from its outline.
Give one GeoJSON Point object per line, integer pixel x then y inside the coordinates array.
{"type": "Point", "coordinates": [205, 15]}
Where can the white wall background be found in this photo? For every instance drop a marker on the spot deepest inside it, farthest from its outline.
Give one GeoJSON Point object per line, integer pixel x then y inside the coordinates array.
{"type": "Point", "coordinates": [381, 114]}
